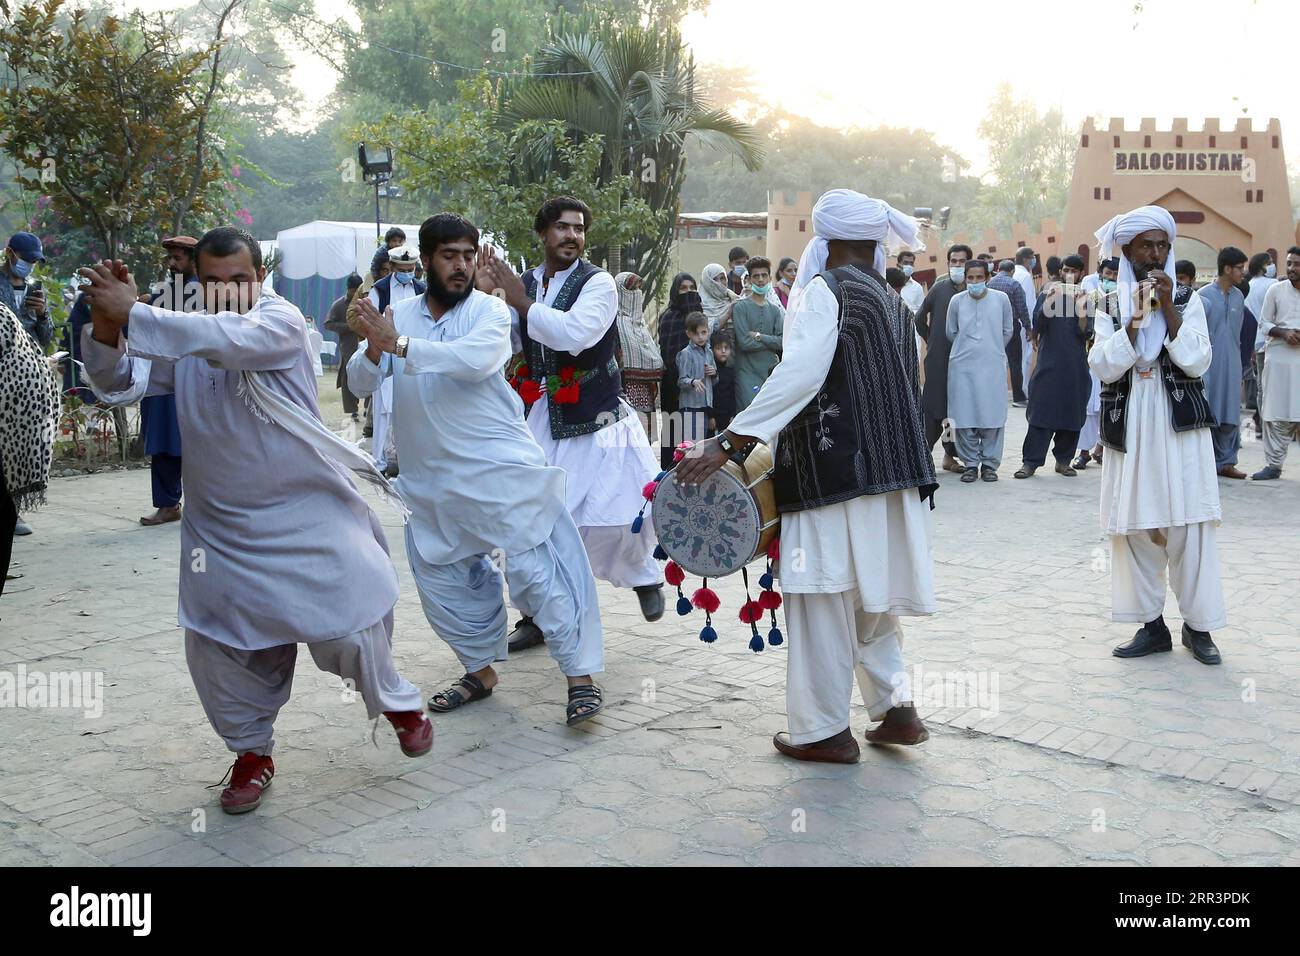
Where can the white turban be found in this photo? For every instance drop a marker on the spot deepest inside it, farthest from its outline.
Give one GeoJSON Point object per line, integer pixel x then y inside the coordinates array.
{"type": "Point", "coordinates": [1118, 232]}
{"type": "Point", "coordinates": [846, 214]}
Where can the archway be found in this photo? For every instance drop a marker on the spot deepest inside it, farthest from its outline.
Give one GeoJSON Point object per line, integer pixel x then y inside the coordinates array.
{"type": "Point", "coordinates": [1204, 255]}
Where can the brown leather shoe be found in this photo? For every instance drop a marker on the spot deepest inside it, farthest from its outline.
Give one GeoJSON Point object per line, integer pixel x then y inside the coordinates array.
{"type": "Point", "coordinates": [162, 516]}
{"type": "Point", "coordinates": [1064, 469]}
{"type": "Point", "coordinates": [841, 748]}
{"type": "Point", "coordinates": [901, 726]}
{"type": "Point", "coordinates": [1231, 471]}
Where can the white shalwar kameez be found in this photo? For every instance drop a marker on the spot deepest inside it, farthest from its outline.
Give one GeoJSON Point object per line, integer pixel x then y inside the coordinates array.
{"type": "Point", "coordinates": [1026, 280]}
{"type": "Point", "coordinates": [485, 505]}
{"type": "Point", "coordinates": [1160, 497]}
{"type": "Point", "coordinates": [605, 469]}
{"type": "Point", "coordinates": [382, 411]}
{"type": "Point", "coordinates": [848, 570]}
{"type": "Point", "coordinates": [270, 523]}
{"type": "Point", "coordinates": [1279, 406]}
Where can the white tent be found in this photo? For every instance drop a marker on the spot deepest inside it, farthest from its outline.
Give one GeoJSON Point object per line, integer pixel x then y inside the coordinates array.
{"type": "Point", "coordinates": [331, 250]}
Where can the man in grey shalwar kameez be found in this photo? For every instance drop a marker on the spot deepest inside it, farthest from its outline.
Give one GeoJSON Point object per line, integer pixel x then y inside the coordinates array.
{"type": "Point", "coordinates": [980, 323]}
{"type": "Point", "coordinates": [1225, 311]}
{"type": "Point", "coordinates": [272, 523]}
{"type": "Point", "coordinates": [485, 504]}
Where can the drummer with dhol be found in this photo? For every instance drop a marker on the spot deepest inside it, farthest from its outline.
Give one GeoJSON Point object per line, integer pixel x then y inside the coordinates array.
{"type": "Point", "coordinates": [854, 482]}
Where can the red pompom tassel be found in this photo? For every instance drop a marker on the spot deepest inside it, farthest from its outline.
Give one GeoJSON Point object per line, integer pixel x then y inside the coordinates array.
{"type": "Point", "coordinates": [530, 391]}
{"type": "Point", "coordinates": [769, 600]}
{"type": "Point", "coordinates": [707, 600]}
{"type": "Point", "coordinates": [648, 491]}
{"type": "Point", "coordinates": [674, 574]}
{"type": "Point", "coordinates": [680, 452]}
{"type": "Point", "coordinates": [774, 550]}
{"type": "Point", "coordinates": [751, 612]}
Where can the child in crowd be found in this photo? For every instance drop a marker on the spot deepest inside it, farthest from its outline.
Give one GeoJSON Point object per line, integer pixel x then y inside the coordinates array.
{"type": "Point", "coordinates": [724, 386]}
{"type": "Point", "coordinates": [695, 376]}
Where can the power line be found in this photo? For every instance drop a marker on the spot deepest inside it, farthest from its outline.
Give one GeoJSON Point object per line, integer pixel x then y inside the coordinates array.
{"type": "Point", "coordinates": [420, 56]}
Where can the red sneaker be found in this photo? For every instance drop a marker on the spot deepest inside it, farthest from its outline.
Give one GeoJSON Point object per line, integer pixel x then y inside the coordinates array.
{"type": "Point", "coordinates": [414, 731]}
{"type": "Point", "coordinates": [249, 775]}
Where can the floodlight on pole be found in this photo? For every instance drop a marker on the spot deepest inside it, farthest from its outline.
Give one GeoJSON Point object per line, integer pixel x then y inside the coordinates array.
{"type": "Point", "coordinates": [376, 168]}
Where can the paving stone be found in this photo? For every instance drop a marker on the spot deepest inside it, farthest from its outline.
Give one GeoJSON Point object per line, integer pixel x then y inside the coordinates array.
{"type": "Point", "coordinates": [1161, 747]}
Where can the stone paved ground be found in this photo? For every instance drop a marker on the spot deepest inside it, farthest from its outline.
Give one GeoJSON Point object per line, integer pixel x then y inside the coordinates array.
{"type": "Point", "coordinates": [1076, 757]}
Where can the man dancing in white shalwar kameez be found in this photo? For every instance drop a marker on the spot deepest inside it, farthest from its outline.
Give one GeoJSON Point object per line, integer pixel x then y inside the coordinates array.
{"type": "Point", "coordinates": [1159, 491]}
{"type": "Point", "coordinates": [272, 522]}
{"type": "Point", "coordinates": [484, 502]}
{"type": "Point", "coordinates": [853, 475]}
{"type": "Point", "coordinates": [565, 313]}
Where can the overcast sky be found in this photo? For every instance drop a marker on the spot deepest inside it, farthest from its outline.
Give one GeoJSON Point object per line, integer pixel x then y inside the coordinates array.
{"type": "Point", "coordinates": [927, 65]}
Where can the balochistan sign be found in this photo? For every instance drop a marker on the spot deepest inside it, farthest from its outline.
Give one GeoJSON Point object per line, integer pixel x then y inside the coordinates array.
{"type": "Point", "coordinates": [1191, 161]}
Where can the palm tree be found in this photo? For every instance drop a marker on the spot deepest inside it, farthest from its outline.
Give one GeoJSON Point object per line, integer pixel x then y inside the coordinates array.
{"type": "Point", "coordinates": [635, 88]}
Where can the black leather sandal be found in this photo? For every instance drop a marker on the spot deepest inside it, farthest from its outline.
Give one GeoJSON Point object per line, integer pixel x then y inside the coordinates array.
{"type": "Point", "coordinates": [452, 697]}
{"type": "Point", "coordinates": [583, 696]}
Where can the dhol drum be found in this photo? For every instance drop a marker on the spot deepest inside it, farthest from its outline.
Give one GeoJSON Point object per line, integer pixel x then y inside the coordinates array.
{"type": "Point", "coordinates": [726, 522]}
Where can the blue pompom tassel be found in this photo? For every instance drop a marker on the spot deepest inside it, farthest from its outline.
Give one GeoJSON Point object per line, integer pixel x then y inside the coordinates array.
{"type": "Point", "coordinates": [661, 476]}
{"type": "Point", "coordinates": [756, 643]}
{"type": "Point", "coordinates": [683, 605]}
{"type": "Point", "coordinates": [774, 637]}
{"type": "Point", "coordinates": [660, 553]}
{"type": "Point", "coordinates": [765, 582]}
{"type": "Point", "coordinates": [636, 524]}
{"type": "Point", "coordinates": [708, 635]}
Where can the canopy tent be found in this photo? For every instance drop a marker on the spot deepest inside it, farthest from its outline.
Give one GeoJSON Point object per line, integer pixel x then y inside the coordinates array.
{"type": "Point", "coordinates": [317, 257]}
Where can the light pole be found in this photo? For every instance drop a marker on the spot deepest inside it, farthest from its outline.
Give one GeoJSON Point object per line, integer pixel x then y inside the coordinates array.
{"type": "Point", "coordinates": [377, 169]}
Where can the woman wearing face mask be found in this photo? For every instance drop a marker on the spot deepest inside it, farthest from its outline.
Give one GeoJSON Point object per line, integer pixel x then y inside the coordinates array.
{"type": "Point", "coordinates": [683, 299]}
{"type": "Point", "coordinates": [717, 297]}
{"type": "Point", "coordinates": [785, 274]}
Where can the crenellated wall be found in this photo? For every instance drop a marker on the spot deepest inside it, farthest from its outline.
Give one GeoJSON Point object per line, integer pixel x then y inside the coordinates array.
{"type": "Point", "coordinates": [1225, 186]}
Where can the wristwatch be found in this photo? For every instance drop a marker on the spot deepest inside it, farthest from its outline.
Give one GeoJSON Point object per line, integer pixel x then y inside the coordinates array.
{"type": "Point", "coordinates": [400, 348]}
{"type": "Point", "coordinates": [727, 447]}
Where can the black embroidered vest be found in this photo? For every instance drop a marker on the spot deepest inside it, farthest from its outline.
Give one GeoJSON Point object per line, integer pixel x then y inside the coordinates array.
{"type": "Point", "coordinates": [1188, 406]}
{"type": "Point", "coordinates": [862, 434]}
{"type": "Point", "coordinates": [595, 370]}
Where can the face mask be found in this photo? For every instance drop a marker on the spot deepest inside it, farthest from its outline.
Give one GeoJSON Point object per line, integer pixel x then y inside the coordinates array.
{"type": "Point", "coordinates": [22, 269]}
{"type": "Point", "coordinates": [406, 278]}
{"type": "Point", "coordinates": [738, 270]}
{"type": "Point", "coordinates": [976, 288]}
{"type": "Point", "coordinates": [691, 302]}
{"type": "Point", "coordinates": [1032, 264]}
{"type": "Point", "coordinates": [907, 271]}
{"type": "Point", "coordinates": [762, 289]}
{"type": "Point", "coordinates": [957, 274]}
{"type": "Point", "coordinates": [1270, 270]}
{"type": "Point", "coordinates": [1109, 285]}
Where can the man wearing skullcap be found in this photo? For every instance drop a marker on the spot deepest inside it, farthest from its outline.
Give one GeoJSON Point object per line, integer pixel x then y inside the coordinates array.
{"type": "Point", "coordinates": [852, 477]}
{"type": "Point", "coordinates": [1159, 492]}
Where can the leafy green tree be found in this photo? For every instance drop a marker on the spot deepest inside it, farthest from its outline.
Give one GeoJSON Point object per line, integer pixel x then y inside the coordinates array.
{"type": "Point", "coordinates": [634, 88]}
{"type": "Point", "coordinates": [1031, 161]}
{"type": "Point", "coordinates": [490, 174]}
{"type": "Point", "coordinates": [113, 122]}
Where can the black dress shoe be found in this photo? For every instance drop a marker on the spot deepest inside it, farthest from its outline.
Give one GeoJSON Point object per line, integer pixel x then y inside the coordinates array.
{"type": "Point", "coordinates": [525, 635]}
{"type": "Point", "coordinates": [1151, 638]}
{"type": "Point", "coordinates": [1202, 647]}
{"type": "Point", "coordinates": [651, 597]}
